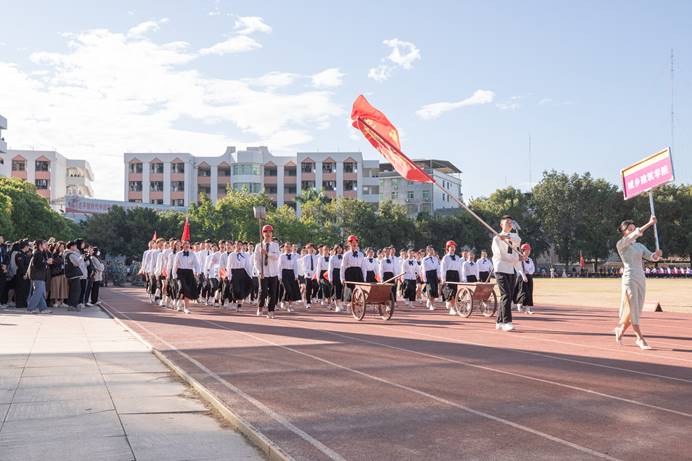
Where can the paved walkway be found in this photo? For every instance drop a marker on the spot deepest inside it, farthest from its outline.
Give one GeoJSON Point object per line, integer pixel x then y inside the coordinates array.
{"type": "Point", "coordinates": [77, 386]}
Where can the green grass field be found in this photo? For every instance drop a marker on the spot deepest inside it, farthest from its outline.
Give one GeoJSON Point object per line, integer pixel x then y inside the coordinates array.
{"type": "Point", "coordinates": [675, 295]}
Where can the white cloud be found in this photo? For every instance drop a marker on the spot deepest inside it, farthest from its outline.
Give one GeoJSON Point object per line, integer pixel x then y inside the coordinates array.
{"type": "Point", "coordinates": [511, 104]}
{"type": "Point", "coordinates": [328, 78]}
{"type": "Point", "coordinates": [403, 55]}
{"type": "Point", "coordinates": [274, 80]}
{"type": "Point", "coordinates": [146, 27]}
{"type": "Point", "coordinates": [246, 25]}
{"type": "Point", "coordinates": [232, 45]}
{"type": "Point", "coordinates": [111, 93]}
{"type": "Point", "coordinates": [432, 111]}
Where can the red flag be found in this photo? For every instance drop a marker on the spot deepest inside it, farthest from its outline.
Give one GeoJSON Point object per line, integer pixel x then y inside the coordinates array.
{"type": "Point", "coordinates": [385, 138]}
{"type": "Point", "coordinates": [186, 231]}
{"type": "Point", "coordinates": [154, 236]}
{"type": "Point", "coordinates": [581, 260]}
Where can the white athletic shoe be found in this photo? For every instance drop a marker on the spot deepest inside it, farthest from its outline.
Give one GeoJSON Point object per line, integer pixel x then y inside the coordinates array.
{"type": "Point", "coordinates": [80, 306]}
{"type": "Point", "coordinates": [519, 307]}
{"type": "Point", "coordinates": [337, 308]}
{"type": "Point", "coordinates": [508, 327]}
{"type": "Point", "coordinates": [282, 305]}
{"type": "Point", "coordinates": [452, 311]}
{"type": "Point", "coordinates": [259, 311]}
{"type": "Point", "coordinates": [321, 303]}
{"type": "Point", "coordinates": [186, 310]}
{"type": "Point", "coordinates": [270, 315]}
{"type": "Point", "coordinates": [529, 310]}
{"type": "Point", "coordinates": [307, 307]}
{"type": "Point", "coordinates": [499, 326]}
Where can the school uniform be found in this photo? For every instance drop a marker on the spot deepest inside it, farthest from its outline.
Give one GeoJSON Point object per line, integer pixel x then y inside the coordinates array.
{"type": "Point", "coordinates": [171, 286]}
{"type": "Point", "coordinates": [485, 267]}
{"type": "Point", "coordinates": [352, 270]}
{"type": "Point", "coordinates": [450, 269]}
{"type": "Point", "coordinates": [289, 290]}
{"type": "Point", "coordinates": [212, 269]}
{"type": "Point", "coordinates": [325, 291]}
{"type": "Point", "coordinates": [268, 268]}
{"type": "Point", "coordinates": [142, 269]}
{"type": "Point", "coordinates": [334, 274]}
{"type": "Point", "coordinates": [386, 270]}
{"type": "Point", "coordinates": [150, 269]}
{"type": "Point", "coordinates": [431, 273]}
{"type": "Point", "coordinates": [202, 276]}
{"type": "Point", "coordinates": [524, 290]}
{"type": "Point", "coordinates": [409, 267]}
{"type": "Point", "coordinates": [224, 280]}
{"type": "Point", "coordinates": [310, 262]}
{"type": "Point", "coordinates": [239, 273]}
{"type": "Point", "coordinates": [254, 275]}
{"type": "Point", "coordinates": [185, 269]}
{"type": "Point", "coordinates": [469, 272]}
{"type": "Point", "coordinates": [505, 260]}
{"type": "Point", "coordinates": [370, 270]}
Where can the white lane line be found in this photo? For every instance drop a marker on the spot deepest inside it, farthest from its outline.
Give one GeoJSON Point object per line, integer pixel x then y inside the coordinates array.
{"type": "Point", "coordinates": [331, 454]}
{"type": "Point", "coordinates": [425, 394]}
{"type": "Point", "coordinates": [517, 375]}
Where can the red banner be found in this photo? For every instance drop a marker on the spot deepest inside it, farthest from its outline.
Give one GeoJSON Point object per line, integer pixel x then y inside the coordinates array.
{"type": "Point", "coordinates": [186, 231]}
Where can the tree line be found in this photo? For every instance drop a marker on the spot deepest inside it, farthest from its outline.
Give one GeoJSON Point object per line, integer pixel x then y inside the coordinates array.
{"type": "Point", "coordinates": [570, 213]}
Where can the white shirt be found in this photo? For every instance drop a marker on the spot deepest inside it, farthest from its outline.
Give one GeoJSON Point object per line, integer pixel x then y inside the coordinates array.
{"type": "Point", "coordinates": [484, 265]}
{"type": "Point", "coordinates": [143, 267]}
{"type": "Point", "coordinates": [351, 260]}
{"type": "Point", "coordinates": [529, 267]}
{"type": "Point", "coordinates": [386, 266]}
{"type": "Point", "coordinates": [370, 265]}
{"type": "Point", "coordinates": [409, 267]}
{"type": "Point", "coordinates": [236, 260]}
{"type": "Point", "coordinates": [212, 265]}
{"type": "Point", "coordinates": [161, 260]}
{"type": "Point", "coordinates": [334, 263]}
{"type": "Point", "coordinates": [271, 269]}
{"type": "Point", "coordinates": [202, 258]}
{"type": "Point", "coordinates": [505, 262]}
{"type": "Point", "coordinates": [469, 268]}
{"type": "Point", "coordinates": [288, 261]}
{"type": "Point", "coordinates": [430, 263]}
{"type": "Point", "coordinates": [183, 261]}
{"type": "Point", "coordinates": [151, 261]}
{"type": "Point", "coordinates": [310, 265]}
{"type": "Point", "coordinates": [449, 264]}
{"type": "Point", "coordinates": [324, 263]}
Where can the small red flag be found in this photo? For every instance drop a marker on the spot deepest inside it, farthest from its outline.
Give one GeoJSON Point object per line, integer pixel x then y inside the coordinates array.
{"type": "Point", "coordinates": [186, 231]}
{"type": "Point", "coordinates": [153, 237]}
{"type": "Point", "coordinates": [581, 260]}
{"type": "Point", "coordinates": [385, 138]}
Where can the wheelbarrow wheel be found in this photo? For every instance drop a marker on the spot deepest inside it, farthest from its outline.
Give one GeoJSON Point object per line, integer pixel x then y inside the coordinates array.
{"type": "Point", "coordinates": [387, 309]}
{"type": "Point", "coordinates": [464, 302]}
{"type": "Point", "coordinates": [489, 306]}
{"type": "Point", "coordinates": [359, 300]}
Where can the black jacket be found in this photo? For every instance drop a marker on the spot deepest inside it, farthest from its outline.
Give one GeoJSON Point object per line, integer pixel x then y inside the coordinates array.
{"type": "Point", "coordinates": [38, 267]}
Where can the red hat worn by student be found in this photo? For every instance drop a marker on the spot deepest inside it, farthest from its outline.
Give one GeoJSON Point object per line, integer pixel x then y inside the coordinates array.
{"type": "Point", "coordinates": [352, 238]}
{"type": "Point", "coordinates": [267, 228]}
{"type": "Point", "coordinates": [450, 243]}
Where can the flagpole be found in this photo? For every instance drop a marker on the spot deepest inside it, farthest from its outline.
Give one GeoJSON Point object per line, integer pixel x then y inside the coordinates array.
{"type": "Point", "coordinates": [456, 199]}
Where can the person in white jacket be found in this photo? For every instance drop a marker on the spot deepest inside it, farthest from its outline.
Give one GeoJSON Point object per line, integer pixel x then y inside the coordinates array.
{"type": "Point", "coordinates": [96, 275]}
{"type": "Point", "coordinates": [507, 259]}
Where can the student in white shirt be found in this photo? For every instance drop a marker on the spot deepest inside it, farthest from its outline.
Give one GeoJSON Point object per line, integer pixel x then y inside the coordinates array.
{"type": "Point", "coordinates": [352, 268]}
{"type": "Point", "coordinates": [203, 276]}
{"type": "Point", "coordinates": [388, 269]}
{"type": "Point", "coordinates": [524, 290]}
{"type": "Point", "coordinates": [469, 268]}
{"type": "Point", "coordinates": [409, 267]}
{"type": "Point", "coordinates": [450, 270]}
{"type": "Point", "coordinates": [185, 268]}
{"type": "Point", "coordinates": [289, 290]}
{"type": "Point", "coordinates": [370, 266]}
{"type": "Point", "coordinates": [239, 272]}
{"type": "Point", "coordinates": [334, 274]}
{"type": "Point", "coordinates": [325, 292]}
{"type": "Point", "coordinates": [310, 264]}
{"type": "Point", "coordinates": [142, 268]}
{"type": "Point", "coordinates": [431, 276]}
{"type": "Point", "coordinates": [267, 256]}
{"type": "Point", "coordinates": [506, 260]}
{"type": "Point", "coordinates": [485, 267]}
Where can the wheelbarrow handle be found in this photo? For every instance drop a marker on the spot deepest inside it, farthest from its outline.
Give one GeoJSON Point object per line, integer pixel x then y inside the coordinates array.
{"type": "Point", "coordinates": [393, 278]}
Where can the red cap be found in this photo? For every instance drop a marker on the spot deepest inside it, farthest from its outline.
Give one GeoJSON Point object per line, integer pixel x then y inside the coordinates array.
{"type": "Point", "coordinates": [450, 243]}
{"type": "Point", "coordinates": [352, 238]}
{"type": "Point", "coordinates": [267, 228]}
{"type": "Point", "coordinates": [525, 246]}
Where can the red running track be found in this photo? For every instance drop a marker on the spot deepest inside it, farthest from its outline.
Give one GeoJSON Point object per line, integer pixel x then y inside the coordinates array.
{"type": "Point", "coordinates": [427, 386]}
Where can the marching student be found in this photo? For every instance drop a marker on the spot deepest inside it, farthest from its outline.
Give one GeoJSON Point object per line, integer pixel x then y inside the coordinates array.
{"type": "Point", "coordinates": [485, 267]}
{"type": "Point", "coordinates": [172, 285]}
{"type": "Point", "coordinates": [387, 268]}
{"type": "Point", "coordinates": [431, 276]}
{"type": "Point", "coordinates": [334, 274]}
{"type": "Point", "coordinates": [254, 275]}
{"type": "Point", "coordinates": [145, 260]}
{"type": "Point", "coordinates": [288, 278]}
{"type": "Point", "coordinates": [420, 284]}
{"type": "Point", "coordinates": [310, 265]}
{"type": "Point", "coordinates": [325, 292]}
{"type": "Point", "coordinates": [239, 272]}
{"type": "Point", "coordinates": [524, 297]}
{"type": "Point", "coordinates": [159, 273]}
{"type": "Point", "coordinates": [506, 260]}
{"type": "Point", "coordinates": [450, 269]}
{"type": "Point", "coordinates": [469, 268]}
{"type": "Point", "coordinates": [224, 283]}
{"type": "Point", "coordinates": [150, 269]}
{"type": "Point", "coordinates": [212, 267]}
{"type": "Point", "coordinates": [409, 267]}
{"type": "Point", "coordinates": [203, 284]}
{"type": "Point", "coordinates": [267, 257]}
{"type": "Point", "coordinates": [301, 271]}
{"type": "Point", "coordinates": [370, 266]}
{"type": "Point", "coordinates": [352, 268]}
{"type": "Point", "coordinates": [185, 269]}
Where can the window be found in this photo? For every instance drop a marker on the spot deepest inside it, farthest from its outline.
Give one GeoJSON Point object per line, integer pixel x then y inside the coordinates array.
{"type": "Point", "coordinates": [395, 184]}
{"type": "Point", "coordinates": [270, 188]}
{"type": "Point", "coordinates": [426, 195]}
{"type": "Point", "coordinates": [328, 167]}
{"type": "Point", "coordinates": [136, 168]}
{"type": "Point", "coordinates": [74, 173]}
{"type": "Point", "coordinates": [290, 171]}
{"type": "Point", "coordinates": [290, 204]}
{"type": "Point", "coordinates": [410, 195]}
{"type": "Point", "coordinates": [329, 185]}
{"type": "Point", "coordinates": [224, 171]}
{"type": "Point", "coordinates": [18, 165]}
{"type": "Point", "coordinates": [305, 185]}
{"type": "Point", "coordinates": [395, 195]}
{"type": "Point", "coordinates": [253, 187]}
{"type": "Point", "coordinates": [157, 168]}
{"type": "Point", "coordinates": [371, 190]}
{"type": "Point", "coordinates": [135, 186]}
{"type": "Point", "coordinates": [156, 201]}
{"type": "Point", "coordinates": [177, 168]}
{"type": "Point", "coordinates": [246, 169]}
{"type": "Point", "coordinates": [206, 190]}
{"type": "Point", "coordinates": [178, 202]}
{"type": "Point", "coordinates": [307, 167]}
{"type": "Point", "coordinates": [290, 189]}
{"type": "Point", "coordinates": [350, 185]}
{"type": "Point", "coordinates": [350, 167]}
{"type": "Point", "coordinates": [156, 186]}
{"type": "Point", "coordinates": [135, 200]}
{"type": "Point", "coordinates": [270, 171]}
{"type": "Point", "coordinates": [42, 165]}
{"type": "Point", "coordinates": [177, 186]}
{"type": "Point", "coordinates": [41, 184]}
{"type": "Point", "coordinates": [204, 171]}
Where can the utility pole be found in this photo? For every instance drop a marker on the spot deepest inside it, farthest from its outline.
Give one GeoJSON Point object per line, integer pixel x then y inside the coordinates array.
{"type": "Point", "coordinates": [530, 176]}
{"type": "Point", "coordinates": [672, 100]}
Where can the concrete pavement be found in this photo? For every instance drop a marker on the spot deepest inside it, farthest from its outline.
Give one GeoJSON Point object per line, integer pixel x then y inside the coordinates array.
{"type": "Point", "coordinates": [77, 386]}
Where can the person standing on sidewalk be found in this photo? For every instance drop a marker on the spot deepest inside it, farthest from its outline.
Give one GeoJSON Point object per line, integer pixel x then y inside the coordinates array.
{"type": "Point", "coordinates": [21, 263]}
{"type": "Point", "coordinates": [73, 274]}
{"type": "Point", "coordinates": [4, 256]}
{"type": "Point", "coordinates": [506, 259]}
{"type": "Point", "coordinates": [96, 275]}
{"type": "Point", "coordinates": [38, 273]}
{"type": "Point", "coordinates": [267, 255]}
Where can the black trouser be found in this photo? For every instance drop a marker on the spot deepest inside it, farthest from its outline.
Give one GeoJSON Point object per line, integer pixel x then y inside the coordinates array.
{"type": "Point", "coordinates": [483, 276]}
{"type": "Point", "coordinates": [506, 284]}
{"type": "Point", "coordinates": [471, 278]}
{"type": "Point", "coordinates": [82, 290]}
{"type": "Point", "coordinates": [95, 285]}
{"type": "Point", "coordinates": [269, 287]}
{"type": "Point", "coordinates": [3, 288]}
{"type": "Point", "coordinates": [74, 287]}
{"type": "Point", "coordinates": [410, 289]}
{"type": "Point", "coordinates": [311, 289]}
{"type": "Point", "coordinates": [21, 291]}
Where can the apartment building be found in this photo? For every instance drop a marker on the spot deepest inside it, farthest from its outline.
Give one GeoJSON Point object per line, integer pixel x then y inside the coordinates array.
{"type": "Point", "coordinates": [3, 144]}
{"type": "Point", "coordinates": [422, 197]}
{"type": "Point", "coordinates": [53, 174]}
{"type": "Point", "coordinates": [177, 179]}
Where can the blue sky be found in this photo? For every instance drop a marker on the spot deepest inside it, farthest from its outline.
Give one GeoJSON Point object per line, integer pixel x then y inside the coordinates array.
{"type": "Point", "coordinates": [463, 81]}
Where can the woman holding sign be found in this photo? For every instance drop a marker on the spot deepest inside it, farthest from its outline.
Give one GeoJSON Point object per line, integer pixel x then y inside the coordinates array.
{"type": "Point", "coordinates": [633, 279]}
